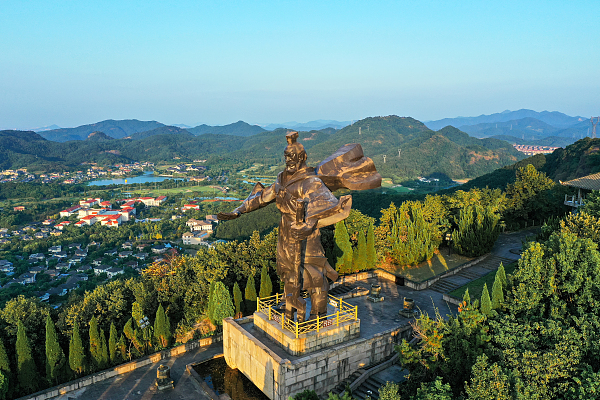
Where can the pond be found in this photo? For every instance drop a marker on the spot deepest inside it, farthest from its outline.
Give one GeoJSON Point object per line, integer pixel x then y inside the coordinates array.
{"type": "Point", "coordinates": [222, 379]}
{"type": "Point", "coordinates": [147, 176]}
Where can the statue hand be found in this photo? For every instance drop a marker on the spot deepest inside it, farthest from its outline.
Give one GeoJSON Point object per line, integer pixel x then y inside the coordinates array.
{"type": "Point", "coordinates": [226, 216]}
{"type": "Point", "coordinates": [302, 231]}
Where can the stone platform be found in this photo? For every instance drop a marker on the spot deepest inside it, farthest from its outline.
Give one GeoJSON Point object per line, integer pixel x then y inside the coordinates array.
{"type": "Point", "coordinates": [280, 375]}
{"type": "Point", "coordinates": [329, 334]}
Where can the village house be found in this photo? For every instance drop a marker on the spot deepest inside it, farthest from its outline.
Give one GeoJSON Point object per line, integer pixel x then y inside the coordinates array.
{"type": "Point", "coordinates": [111, 272]}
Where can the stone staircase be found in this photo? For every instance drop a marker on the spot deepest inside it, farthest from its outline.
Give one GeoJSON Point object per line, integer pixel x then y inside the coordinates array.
{"type": "Point", "coordinates": [341, 290]}
{"type": "Point", "coordinates": [369, 388]}
{"type": "Point", "coordinates": [485, 266]}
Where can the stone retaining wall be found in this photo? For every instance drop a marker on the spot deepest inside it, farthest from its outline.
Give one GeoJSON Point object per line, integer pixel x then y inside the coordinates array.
{"type": "Point", "coordinates": [120, 369]}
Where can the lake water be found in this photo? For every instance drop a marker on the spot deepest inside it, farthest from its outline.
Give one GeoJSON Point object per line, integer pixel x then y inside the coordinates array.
{"type": "Point", "coordinates": [146, 177]}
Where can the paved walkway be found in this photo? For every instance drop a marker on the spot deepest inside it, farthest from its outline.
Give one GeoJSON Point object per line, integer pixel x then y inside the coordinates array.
{"type": "Point", "coordinates": [506, 250]}
{"type": "Point", "coordinates": [139, 384]}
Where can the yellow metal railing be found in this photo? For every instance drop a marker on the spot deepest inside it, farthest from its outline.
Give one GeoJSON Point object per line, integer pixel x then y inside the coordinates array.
{"type": "Point", "coordinates": [344, 312]}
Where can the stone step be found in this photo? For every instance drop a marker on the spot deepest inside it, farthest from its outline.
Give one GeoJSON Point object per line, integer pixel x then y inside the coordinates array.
{"type": "Point", "coordinates": [469, 274]}
{"type": "Point", "coordinates": [444, 286]}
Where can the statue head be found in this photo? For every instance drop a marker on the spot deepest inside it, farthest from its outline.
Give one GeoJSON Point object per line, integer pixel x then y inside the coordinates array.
{"type": "Point", "coordinates": [294, 153]}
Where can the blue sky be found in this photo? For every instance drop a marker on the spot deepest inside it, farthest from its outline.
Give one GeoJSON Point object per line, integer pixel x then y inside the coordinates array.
{"type": "Point", "coordinates": [76, 62]}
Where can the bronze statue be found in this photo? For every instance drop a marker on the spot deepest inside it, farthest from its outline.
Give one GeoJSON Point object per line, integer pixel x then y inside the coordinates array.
{"type": "Point", "coordinates": [304, 197]}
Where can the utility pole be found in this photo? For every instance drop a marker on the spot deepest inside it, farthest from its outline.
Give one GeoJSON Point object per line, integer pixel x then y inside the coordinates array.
{"type": "Point", "coordinates": [384, 156]}
{"type": "Point", "coordinates": [399, 151]}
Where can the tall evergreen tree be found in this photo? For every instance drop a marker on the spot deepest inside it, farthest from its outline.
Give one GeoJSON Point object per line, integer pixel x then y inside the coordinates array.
{"type": "Point", "coordinates": [104, 350]}
{"type": "Point", "coordinates": [76, 353]}
{"type": "Point", "coordinates": [95, 344]}
{"type": "Point", "coordinates": [497, 292]}
{"type": "Point", "coordinates": [486, 303]}
{"type": "Point", "coordinates": [137, 313]}
{"type": "Point", "coordinates": [55, 357]}
{"type": "Point", "coordinates": [250, 294]}
{"type": "Point", "coordinates": [342, 249]}
{"type": "Point", "coordinates": [223, 304]}
{"type": "Point", "coordinates": [237, 298]}
{"type": "Point", "coordinates": [112, 344]}
{"type": "Point", "coordinates": [210, 306]}
{"type": "Point", "coordinates": [361, 259]}
{"type": "Point", "coordinates": [26, 372]}
{"type": "Point", "coordinates": [502, 273]}
{"type": "Point", "coordinates": [4, 361]}
{"type": "Point", "coordinates": [4, 386]}
{"type": "Point", "coordinates": [162, 328]}
{"type": "Point", "coordinates": [371, 253]}
{"type": "Point", "coordinates": [266, 286]}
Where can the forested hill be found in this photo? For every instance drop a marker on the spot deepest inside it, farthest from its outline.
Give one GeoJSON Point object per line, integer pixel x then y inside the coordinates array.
{"type": "Point", "coordinates": [579, 159]}
{"type": "Point", "coordinates": [120, 129]}
{"type": "Point", "coordinates": [409, 147]}
{"type": "Point", "coordinates": [239, 128]}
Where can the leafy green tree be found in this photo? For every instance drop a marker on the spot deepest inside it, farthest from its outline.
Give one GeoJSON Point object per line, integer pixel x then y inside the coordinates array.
{"type": "Point", "coordinates": [137, 313]}
{"type": "Point", "coordinates": [223, 304]}
{"type": "Point", "coordinates": [55, 357]}
{"type": "Point", "coordinates": [307, 395]}
{"type": "Point", "coordinates": [591, 204]}
{"type": "Point", "coordinates": [371, 252]}
{"type": "Point", "coordinates": [26, 371]}
{"type": "Point", "coordinates": [342, 249]}
{"type": "Point", "coordinates": [497, 293]}
{"type": "Point", "coordinates": [435, 390]}
{"type": "Point", "coordinates": [134, 337]}
{"type": "Point", "coordinates": [250, 294]}
{"type": "Point", "coordinates": [413, 238]}
{"type": "Point", "coordinates": [486, 303]}
{"type": "Point", "coordinates": [95, 344]}
{"type": "Point", "coordinates": [389, 391]}
{"type": "Point", "coordinates": [266, 286]}
{"type": "Point", "coordinates": [488, 382]}
{"type": "Point", "coordinates": [478, 230]}
{"type": "Point", "coordinates": [525, 195]}
{"type": "Point", "coordinates": [113, 352]}
{"type": "Point", "coordinates": [76, 353]}
{"type": "Point", "coordinates": [162, 328]}
{"type": "Point", "coordinates": [237, 298]}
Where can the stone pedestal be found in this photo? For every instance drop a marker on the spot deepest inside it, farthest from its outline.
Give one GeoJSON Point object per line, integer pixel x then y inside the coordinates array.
{"type": "Point", "coordinates": [329, 333]}
{"type": "Point", "coordinates": [280, 377]}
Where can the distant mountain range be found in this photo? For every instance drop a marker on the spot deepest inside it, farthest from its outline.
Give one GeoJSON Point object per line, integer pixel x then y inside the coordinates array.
{"type": "Point", "coordinates": [402, 148]}
{"type": "Point", "coordinates": [310, 125]}
{"type": "Point", "coordinates": [522, 126]}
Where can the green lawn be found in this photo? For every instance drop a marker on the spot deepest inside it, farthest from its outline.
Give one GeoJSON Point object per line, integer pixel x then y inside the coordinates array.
{"type": "Point", "coordinates": [476, 287]}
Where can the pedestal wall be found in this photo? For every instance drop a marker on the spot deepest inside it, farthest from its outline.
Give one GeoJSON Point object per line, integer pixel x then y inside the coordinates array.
{"type": "Point", "coordinates": [279, 378]}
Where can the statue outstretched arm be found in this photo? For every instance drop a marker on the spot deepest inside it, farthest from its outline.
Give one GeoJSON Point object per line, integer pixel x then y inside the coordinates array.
{"type": "Point", "coordinates": [258, 198]}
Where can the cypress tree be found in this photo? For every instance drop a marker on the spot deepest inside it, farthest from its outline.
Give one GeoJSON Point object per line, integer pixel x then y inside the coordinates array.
{"type": "Point", "coordinates": [112, 344]}
{"type": "Point", "coordinates": [467, 297]}
{"type": "Point", "coordinates": [76, 354]}
{"type": "Point", "coordinates": [266, 286]}
{"type": "Point", "coordinates": [342, 249]}
{"type": "Point", "coordinates": [371, 253]}
{"type": "Point", "coordinates": [122, 348]}
{"type": "Point", "coordinates": [497, 293]}
{"type": "Point", "coordinates": [162, 329]}
{"type": "Point", "coordinates": [3, 386]}
{"type": "Point", "coordinates": [361, 260]}
{"type": "Point", "coordinates": [4, 361]}
{"type": "Point", "coordinates": [355, 267]}
{"type": "Point", "coordinates": [26, 373]}
{"type": "Point", "coordinates": [486, 303]}
{"type": "Point", "coordinates": [104, 353]}
{"type": "Point", "coordinates": [237, 298]}
{"type": "Point", "coordinates": [95, 344]}
{"type": "Point", "coordinates": [210, 306]}
{"type": "Point", "coordinates": [223, 304]}
{"type": "Point", "coordinates": [250, 294]}
{"type": "Point", "coordinates": [502, 274]}
{"type": "Point", "coordinates": [55, 357]}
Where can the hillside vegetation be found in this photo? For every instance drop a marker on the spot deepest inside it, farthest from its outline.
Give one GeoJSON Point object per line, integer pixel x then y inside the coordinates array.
{"type": "Point", "coordinates": [410, 148]}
